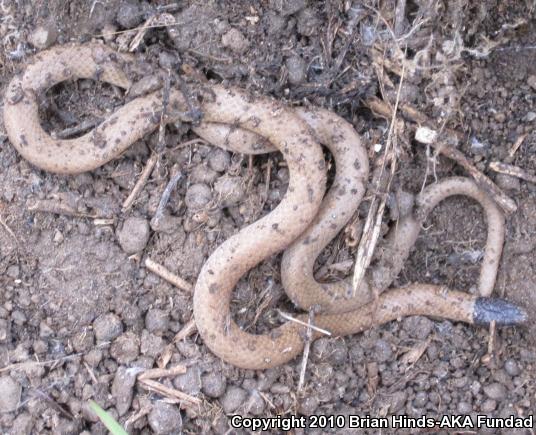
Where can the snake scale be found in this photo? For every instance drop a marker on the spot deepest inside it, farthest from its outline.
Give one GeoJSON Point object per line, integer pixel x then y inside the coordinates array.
{"type": "Point", "coordinates": [303, 223]}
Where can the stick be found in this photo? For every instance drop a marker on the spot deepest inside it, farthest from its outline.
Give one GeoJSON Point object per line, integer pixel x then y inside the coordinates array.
{"type": "Point", "coordinates": [30, 364]}
{"type": "Point", "coordinates": [169, 276]}
{"type": "Point", "coordinates": [185, 399]}
{"type": "Point", "coordinates": [162, 373]}
{"type": "Point", "coordinates": [155, 157]}
{"type": "Point", "coordinates": [371, 231]}
{"type": "Point", "coordinates": [165, 102]}
{"type": "Point", "coordinates": [175, 177]}
{"type": "Point", "coordinates": [77, 129]}
{"type": "Point", "coordinates": [300, 322]}
{"type": "Point", "coordinates": [516, 145]}
{"type": "Point", "coordinates": [188, 329]}
{"type": "Point", "coordinates": [306, 348]}
{"type": "Point", "coordinates": [514, 171]}
{"type": "Point", "coordinates": [149, 166]}
{"type": "Point", "coordinates": [58, 207]}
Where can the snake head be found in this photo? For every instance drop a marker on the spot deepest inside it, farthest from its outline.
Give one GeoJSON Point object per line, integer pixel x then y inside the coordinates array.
{"type": "Point", "coordinates": [504, 313]}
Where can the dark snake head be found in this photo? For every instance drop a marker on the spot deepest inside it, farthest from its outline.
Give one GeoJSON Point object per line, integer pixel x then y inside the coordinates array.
{"type": "Point", "coordinates": [504, 313]}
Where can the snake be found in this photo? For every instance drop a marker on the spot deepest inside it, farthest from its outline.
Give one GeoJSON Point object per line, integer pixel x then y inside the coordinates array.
{"type": "Point", "coordinates": [301, 225]}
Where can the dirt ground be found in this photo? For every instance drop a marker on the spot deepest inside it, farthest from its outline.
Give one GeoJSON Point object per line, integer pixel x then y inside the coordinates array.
{"type": "Point", "coordinates": [79, 313]}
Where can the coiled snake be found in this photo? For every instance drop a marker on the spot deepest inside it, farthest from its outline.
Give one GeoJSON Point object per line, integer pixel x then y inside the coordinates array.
{"type": "Point", "coordinates": [303, 223]}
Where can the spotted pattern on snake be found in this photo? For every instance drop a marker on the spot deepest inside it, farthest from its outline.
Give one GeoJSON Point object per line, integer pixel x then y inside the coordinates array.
{"type": "Point", "coordinates": [305, 220]}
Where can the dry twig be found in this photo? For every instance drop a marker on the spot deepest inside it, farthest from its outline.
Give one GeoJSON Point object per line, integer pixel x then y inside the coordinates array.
{"type": "Point", "coordinates": [299, 322]}
{"type": "Point", "coordinates": [371, 231]}
{"type": "Point", "coordinates": [155, 157]}
{"type": "Point", "coordinates": [188, 329]}
{"type": "Point", "coordinates": [306, 348]}
{"type": "Point", "coordinates": [184, 399]}
{"type": "Point", "coordinates": [516, 145]}
{"type": "Point", "coordinates": [160, 20]}
{"type": "Point", "coordinates": [149, 166]}
{"type": "Point", "coordinates": [169, 276]}
{"type": "Point", "coordinates": [174, 179]}
{"type": "Point", "coordinates": [514, 171]}
{"type": "Point", "coordinates": [77, 129]}
{"type": "Point", "coordinates": [162, 373]}
{"type": "Point", "coordinates": [58, 207]}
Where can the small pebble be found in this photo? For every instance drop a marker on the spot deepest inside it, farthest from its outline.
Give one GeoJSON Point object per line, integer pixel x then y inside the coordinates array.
{"type": "Point", "coordinates": [500, 117]}
{"type": "Point", "coordinates": [530, 116]}
{"type": "Point", "coordinates": [10, 395]}
{"type": "Point", "coordinates": [166, 224]}
{"type": "Point", "coordinates": [123, 389]}
{"type": "Point", "coordinates": [43, 36]}
{"type": "Point", "coordinates": [219, 160]}
{"type": "Point", "coordinates": [129, 14]}
{"type": "Point", "coordinates": [275, 23]}
{"type": "Point", "coordinates": [464, 408]}
{"type": "Point", "coordinates": [22, 425]}
{"type": "Point", "coordinates": [203, 174]}
{"type": "Point", "coordinates": [189, 382]}
{"type": "Point", "coordinates": [157, 321]}
{"type": "Point", "coordinates": [39, 346]}
{"type": "Point", "coordinates": [151, 345]}
{"type": "Point", "coordinates": [507, 182]}
{"type": "Point", "coordinates": [287, 7]}
{"type": "Point", "coordinates": [421, 399]}
{"type": "Point", "coordinates": [125, 348]}
{"type": "Point", "coordinates": [109, 32]}
{"type": "Point", "coordinates": [4, 330]}
{"type": "Point", "coordinates": [396, 401]}
{"type": "Point", "coordinates": [488, 406]}
{"type": "Point", "coordinates": [213, 384]}
{"type": "Point", "coordinates": [107, 327]}
{"type": "Point", "coordinates": [145, 86]}
{"type": "Point", "coordinates": [234, 397]}
{"type": "Point", "coordinates": [230, 190]}
{"type": "Point", "coordinates": [418, 327]}
{"type": "Point", "coordinates": [531, 81]}
{"type": "Point", "coordinates": [308, 22]}
{"type": "Point", "coordinates": [134, 235]}
{"type": "Point", "coordinates": [475, 388]}
{"type": "Point", "coordinates": [382, 351]}
{"type": "Point", "coordinates": [167, 60]}
{"type": "Point", "coordinates": [83, 341]}
{"type": "Point", "coordinates": [512, 367]}
{"type": "Point", "coordinates": [296, 67]}
{"type": "Point", "coordinates": [93, 357]}
{"type": "Point", "coordinates": [255, 404]}
{"type": "Point", "coordinates": [235, 40]}
{"type": "Point", "coordinates": [495, 391]}
{"type": "Point", "coordinates": [165, 418]}
{"type": "Point", "coordinates": [197, 196]}
{"type": "Point", "coordinates": [13, 271]}
{"type": "Point", "coordinates": [441, 371]}
{"type": "Point", "coordinates": [18, 317]}
{"type": "Point", "coordinates": [308, 405]}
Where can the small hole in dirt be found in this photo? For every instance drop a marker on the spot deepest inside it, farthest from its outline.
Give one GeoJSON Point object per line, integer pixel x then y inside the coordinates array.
{"type": "Point", "coordinates": [410, 53]}
{"type": "Point", "coordinates": [71, 109]}
{"type": "Point", "coordinates": [412, 8]}
{"type": "Point", "coordinates": [213, 75]}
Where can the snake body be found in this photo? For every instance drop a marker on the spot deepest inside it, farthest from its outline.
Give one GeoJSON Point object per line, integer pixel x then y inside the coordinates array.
{"type": "Point", "coordinates": [303, 223]}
